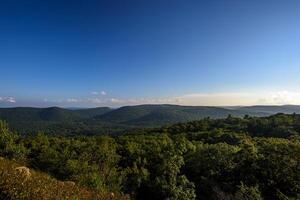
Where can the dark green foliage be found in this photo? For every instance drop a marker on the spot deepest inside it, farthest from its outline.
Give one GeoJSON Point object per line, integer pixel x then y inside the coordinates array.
{"type": "Point", "coordinates": [92, 112]}
{"type": "Point", "coordinates": [10, 145]}
{"type": "Point", "coordinates": [22, 114]}
{"type": "Point", "coordinates": [234, 158]}
{"type": "Point", "coordinates": [153, 166]}
{"type": "Point", "coordinates": [59, 121]}
{"type": "Point", "coordinates": [247, 193]}
{"type": "Point", "coordinates": [287, 109]}
{"type": "Point", "coordinates": [103, 120]}
{"type": "Point", "coordinates": [154, 115]}
{"type": "Point", "coordinates": [279, 125]}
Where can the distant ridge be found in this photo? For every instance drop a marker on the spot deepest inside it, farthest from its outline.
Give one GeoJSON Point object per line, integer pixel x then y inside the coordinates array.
{"type": "Point", "coordinates": [140, 113]}
{"type": "Point", "coordinates": [165, 114]}
{"type": "Point", "coordinates": [287, 109]}
{"type": "Point", "coordinates": [107, 120]}
{"type": "Point", "coordinates": [49, 114]}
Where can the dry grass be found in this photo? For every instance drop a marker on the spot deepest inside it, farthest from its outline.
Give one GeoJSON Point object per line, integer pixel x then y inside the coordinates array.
{"type": "Point", "coordinates": [18, 184]}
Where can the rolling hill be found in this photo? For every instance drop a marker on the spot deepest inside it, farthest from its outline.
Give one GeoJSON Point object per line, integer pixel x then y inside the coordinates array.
{"type": "Point", "coordinates": [287, 109]}
{"type": "Point", "coordinates": [51, 114]}
{"type": "Point", "coordinates": [27, 120]}
{"type": "Point", "coordinates": [151, 115]}
{"type": "Point", "coordinates": [107, 120]}
{"type": "Point", "coordinates": [21, 114]}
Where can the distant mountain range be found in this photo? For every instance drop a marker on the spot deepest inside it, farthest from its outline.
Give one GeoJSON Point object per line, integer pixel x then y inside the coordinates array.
{"type": "Point", "coordinates": [131, 116]}
{"type": "Point", "coordinates": [146, 115]}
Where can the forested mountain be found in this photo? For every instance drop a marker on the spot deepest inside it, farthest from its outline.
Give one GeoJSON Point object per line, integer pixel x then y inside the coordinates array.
{"type": "Point", "coordinates": [23, 114]}
{"type": "Point", "coordinates": [105, 120]}
{"type": "Point", "coordinates": [250, 158]}
{"type": "Point", "coordinates": [54, 114]}
{"type": "Point", "coordinates": [287, 109]}
{"type": "Point", "coordinates": [148, 115]}
{"type": "Point", "coordinates": [92, 112]}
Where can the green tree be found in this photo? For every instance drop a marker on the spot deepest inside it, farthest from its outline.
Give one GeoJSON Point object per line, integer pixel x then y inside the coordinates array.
{"type": "Point", "coordinates": [247, 193]}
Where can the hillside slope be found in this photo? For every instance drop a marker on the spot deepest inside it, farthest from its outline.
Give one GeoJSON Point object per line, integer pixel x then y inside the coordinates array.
{"type": "Point", "coordinates": [54, 114]}
{"type": "Point", "coordinates": [53, 120]}
{"type": "Point", "coordinates": [19, 182]}
{"type": "Point", "coordinates": [286, 109]}
{"type": "Point", "coordinates": [21, 114]}
{"type": "Point", "coordinates": [92, 112]}
{"type": "Point", "coordinates": [104, 120]}
{"type": "Point", "coordinates": [149, 115]}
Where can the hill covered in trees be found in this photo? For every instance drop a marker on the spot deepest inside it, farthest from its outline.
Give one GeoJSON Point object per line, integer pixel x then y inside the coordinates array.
{"type": "Point", "coordinates": [104, 120]}
{"type": "Point", "coordinates": [51, 114]}
{"type": "Point", "coordinates": [287, 109]}
{"type": "Point", "coordinates": [250, 158]}
{"type": "Point", "coordinates": [151, 115]}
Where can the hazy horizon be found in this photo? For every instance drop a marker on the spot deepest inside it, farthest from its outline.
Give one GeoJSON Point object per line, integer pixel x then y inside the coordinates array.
{"type": "Point", "coordinates": [117, 53]}
{"type": "Point", "coordinates": [116, 107]}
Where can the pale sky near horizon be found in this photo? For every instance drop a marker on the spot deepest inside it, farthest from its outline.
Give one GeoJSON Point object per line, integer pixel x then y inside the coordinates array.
{"type": "Point", "coordinates": [114, 53]}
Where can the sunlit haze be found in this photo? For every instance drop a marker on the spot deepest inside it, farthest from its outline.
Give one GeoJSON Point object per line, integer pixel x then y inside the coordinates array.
{"type": "Point", "coordinates": [116, 53]}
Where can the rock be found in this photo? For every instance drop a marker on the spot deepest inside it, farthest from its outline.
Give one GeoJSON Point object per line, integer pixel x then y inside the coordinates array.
{"type": "Point", "coordinates": [24, 170]}
{"type": "Point", "coordinates": [70, 183]}
{"type": "Point", "coordinates": [112, 195]}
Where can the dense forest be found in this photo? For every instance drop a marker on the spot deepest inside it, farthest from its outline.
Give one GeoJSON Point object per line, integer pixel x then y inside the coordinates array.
{"type": "Point", "coordinates": [234, 158]}
{"type": "Point", "coordinates": [104, 120]}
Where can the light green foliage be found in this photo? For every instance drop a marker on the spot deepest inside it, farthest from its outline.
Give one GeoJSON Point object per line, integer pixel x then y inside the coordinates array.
{"type": "Point", "coordinates": [233, 158]}
{"type": "Point", "coordinates": [279, 165]}
{"type": "Point", "coordinates": [16, 185]}
{"type": "Point", "coordinates": [153, 166]}
{"type": "Point", "coordinates": [89, 161]}
{"type": "Point", "coordinates": [9, 144]}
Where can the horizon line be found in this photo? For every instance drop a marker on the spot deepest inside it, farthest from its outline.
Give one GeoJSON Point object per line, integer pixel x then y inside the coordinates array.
{"type": "Point", "coordinates": [233, 106]}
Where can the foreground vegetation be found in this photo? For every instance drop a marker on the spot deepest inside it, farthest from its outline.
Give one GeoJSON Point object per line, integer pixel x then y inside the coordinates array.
{"type": "Point", "coordinates": [232, 158]}
{"type": "Point", "coordinates": [19, 182]}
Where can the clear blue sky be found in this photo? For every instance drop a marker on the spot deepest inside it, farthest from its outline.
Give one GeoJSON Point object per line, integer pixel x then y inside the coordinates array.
{"type": "Point", "coordinates": [66, 53]}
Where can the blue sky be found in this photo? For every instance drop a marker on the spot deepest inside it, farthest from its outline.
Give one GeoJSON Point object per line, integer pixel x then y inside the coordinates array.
{"type": "Point", "coordinates": [117, 52]}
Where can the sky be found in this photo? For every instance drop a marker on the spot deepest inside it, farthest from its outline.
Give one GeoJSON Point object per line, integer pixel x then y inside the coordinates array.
{"type": "Point", "coordinates": [126, 52]}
